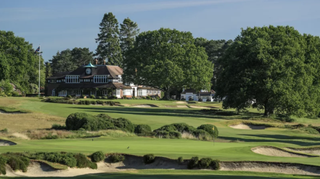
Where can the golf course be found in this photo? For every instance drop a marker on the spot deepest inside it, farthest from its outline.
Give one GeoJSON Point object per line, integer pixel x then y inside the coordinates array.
{"type": "Point", "coordinates": [244, 139]}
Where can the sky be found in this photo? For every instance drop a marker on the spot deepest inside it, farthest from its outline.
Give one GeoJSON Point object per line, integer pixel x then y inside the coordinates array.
{"type": "Point", "coordinates": [60, 24]}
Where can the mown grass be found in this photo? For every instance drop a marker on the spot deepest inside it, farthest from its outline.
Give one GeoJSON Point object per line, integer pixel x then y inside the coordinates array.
{"type": "Point", "coordinates": [232, 145]}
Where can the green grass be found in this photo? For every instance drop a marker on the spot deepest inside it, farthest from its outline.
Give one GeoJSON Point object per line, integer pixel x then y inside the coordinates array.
{"type": "Point", "coordinates": [239, 149]}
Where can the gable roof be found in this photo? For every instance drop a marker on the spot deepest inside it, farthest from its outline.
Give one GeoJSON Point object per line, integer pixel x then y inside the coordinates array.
{"type": "Point", "coordinates": [111, 70]}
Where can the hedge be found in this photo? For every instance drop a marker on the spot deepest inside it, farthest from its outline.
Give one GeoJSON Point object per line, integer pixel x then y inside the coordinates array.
{"type": "Point", "coordinates": [114, 158]}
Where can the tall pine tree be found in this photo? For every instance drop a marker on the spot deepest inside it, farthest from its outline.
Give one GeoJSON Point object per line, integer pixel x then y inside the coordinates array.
{"type": "Point", "coordinates": [128, 32]}
{"type": "Point", "coordinates": [108, 39]}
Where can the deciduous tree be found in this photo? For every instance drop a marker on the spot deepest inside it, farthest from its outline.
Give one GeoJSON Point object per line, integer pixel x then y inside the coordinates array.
{"type": "Point", "coordinates": [168, 59]}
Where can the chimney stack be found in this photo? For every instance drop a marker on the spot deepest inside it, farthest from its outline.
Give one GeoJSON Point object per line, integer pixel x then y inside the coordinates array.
{"type": "Point", "coordinates": [96, 61]}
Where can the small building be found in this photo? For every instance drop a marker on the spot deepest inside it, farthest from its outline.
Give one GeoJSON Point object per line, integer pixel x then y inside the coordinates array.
{"type": "Point", "coordinates": [98, 80]}
{"type": "Point", "coordinates": [204, 95]}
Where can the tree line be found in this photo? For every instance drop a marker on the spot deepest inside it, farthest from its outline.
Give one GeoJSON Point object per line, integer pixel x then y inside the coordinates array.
{"type": "Point", "coordinates": [275, 69]}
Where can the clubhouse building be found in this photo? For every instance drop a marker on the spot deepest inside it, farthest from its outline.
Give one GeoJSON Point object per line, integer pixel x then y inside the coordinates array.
{"type": "Point", "coordinates": [98, 80]}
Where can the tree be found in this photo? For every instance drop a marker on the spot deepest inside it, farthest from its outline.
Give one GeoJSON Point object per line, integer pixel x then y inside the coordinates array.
{"type": "Point", "coordinates": [268, 65]}
{"type": "Point", "coordinates": [63, 62]}
{"type": "Point", "coordinates": [215, 50]}
{"type": "Point", "coordinates": [69, 60]}
{"type": "Point", "coordinates": [168, 59]}
{"type": "Point", "coordinates": [128, 31]}
{"type": "Point", "coordinates": [108, 39]}
{"type": "Point", "coordinates": [18, 63]}
{"type": "Point", "coordinates": [81, 56]}
{"type": "Point", "coordinates": [48, 69]}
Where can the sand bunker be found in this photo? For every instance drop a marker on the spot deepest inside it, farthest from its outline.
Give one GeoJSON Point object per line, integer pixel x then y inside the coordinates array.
{"type": "Point", "coordinates": [6, 143]}
{"type": "Point", "coordinates": [273, 167]}
{"type": "Point", "coordinates": [313, 151]}
{"type": "Point", "coordinates": [277, 152]}
{"type": "Point", "coordinates": [39, 169]}
{"type": "Point", "coordinates": [19, 135]}
{"type": "Point", "coordinates": [145, 106]}
{"type": "Point", "coordinates": [248, 126]}
{"type": "Point", "coordinates": [181, 102]}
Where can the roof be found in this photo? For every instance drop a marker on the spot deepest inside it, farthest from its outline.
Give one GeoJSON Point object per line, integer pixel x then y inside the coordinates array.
{"type": "Point", "coordinates": [89, 65]}
{"type": "Point", "coordinates": [111, 70]}
{"type": "Point", "coordinates": [58, 75]}
{"type": "Point", "coordinates": [148, 88]}
{"type": "Point", "coordinates": [189, 91]}
{"type": "Point", "coordinates": [94, 85]}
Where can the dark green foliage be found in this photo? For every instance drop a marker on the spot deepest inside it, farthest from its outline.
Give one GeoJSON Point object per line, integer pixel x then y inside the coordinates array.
{"type": "Point", "coordinates": [18, 162]}
{"type": "Point", "coordinates": [69, 60]}
{"type": "Point", "coordinates": [148, 158]}
{"type": "Point", "coordinates": [167, 128]}
{"type": "Point", "coordinates": [163, 58]}
{"type": "Point", "coordinates": [202, 134]}
{"type": "Point", "coordinates": [3, 162]}
{"type": "Point", "coordinates": [193, 162]}
{"type": "Point", "coordinates": [183, 127]}
{"type": "Point", "coordinates": [97, 156]}
{"type": "Point", "coordinates": [215, 164]}
{"type": "Point", "coordinates": [108, 41]}
{"type": "Point", "coordinates": [180, 160]}
{"type": "Point", "coordinates": [76, 121]}
{"type": "Point", "coordinates": [84, 162]}
{"type": "Point", "coordinates": [123, 124]}
{"type": "Point", "coordinates": [174, 135]}
{"type": "Point", "coordinates": [103, 116]}
{"type": "Point", "coordinates": [143, 129]}
{"type": "Point", "coordinates": [62, 158]}
{"type": "Point", "coordinates": [92, 96]}
{"type": "Point", "coordinates": [114, 158]}
{"type": "Point", "coordinates": [277, 67]}
{"type": "Point", "coordinates": [58, 126]}
{"type": "Point", "coordinates": [128, 31]}
{"type": "Point", "coordinates": [204, 163]}
{"type": "Point", "coordinates": [209, 128]}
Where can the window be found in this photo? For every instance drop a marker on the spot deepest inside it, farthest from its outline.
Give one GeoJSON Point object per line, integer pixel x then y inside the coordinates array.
{"type": "Point", "coordinates": [118, 92]}
{"type": "Point", "coordinates": [127, 92]}
{"type": "Point", "coordinates": [139, 92]}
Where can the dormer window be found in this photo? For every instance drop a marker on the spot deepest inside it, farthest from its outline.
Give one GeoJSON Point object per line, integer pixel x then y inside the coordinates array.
{"type": "Point", "coordinates": [100, 79]}
{"type": "Point", "coordinates": [72, 79]}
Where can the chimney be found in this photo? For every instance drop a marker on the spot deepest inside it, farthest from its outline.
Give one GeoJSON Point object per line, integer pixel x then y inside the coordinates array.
{"type": "Point", "coordinates": [96, 61]}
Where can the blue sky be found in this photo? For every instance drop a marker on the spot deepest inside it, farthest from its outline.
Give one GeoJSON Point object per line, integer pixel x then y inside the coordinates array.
{"type": "Point", "coordinates": [61, 24]}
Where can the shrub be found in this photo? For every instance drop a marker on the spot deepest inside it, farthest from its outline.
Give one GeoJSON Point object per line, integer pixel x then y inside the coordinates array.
{"type": "Point", "coordinates": [143, 129]}
{"type": "Point", "coordinates": [215, 164]}
{"type": "Point", "coordinates": [58, 126]}
{"type": "Point", "coordinates": [209, 128]}
{"type": "Point", "coordinates": [123, 124]}
{"type": "Point", "coordinates": [193, 162]}
{"type": "Point", "coordinates": [174, 135]}
{"type": "Point", "coordinates": [103, 116]}
{"type": "Point", "coordinates": [148, 158]}
{"type": "Point", "coordinates": [114, 158]}
{"type": "Point", "coordinates": [204, 163]}
{"type": "Point", "coordinates": [97, 156]}
{"type": "Point", "coordinates": [83, 162]}
{"type": "Point", "coordinates": [18, 162]}
{"type": "Point", "coordinates": [167, 128]}
{"type": "Point", "coordinates": [180, 160]}
{"type": "Point", "coordinates": [112, 97]}
{"type": "Point", "coordinates": [93, 102]}
{"type": "Point", "coordinates": [69, 161]}
{"type": "Point", "coordinates": [183, 127]}
{"type": "Point", "coordinates": [87, 102]}
{"type": "Point", "coordinates": [76, 121]}
{"type": "Point", "coordinates": [203, 135]}
{"type": "Point", "coordinates": [5, 130]}
{"type": "Point", "coordinates": [92, 96]}
{"type": "Point", "coordinates": [200, 99]}
{"type": "Point", "coordinates": [208, 100]}
{"type": "Point", "coordinates": [148, 97]}
{"type": "Point", "coordinates": [3, 162]}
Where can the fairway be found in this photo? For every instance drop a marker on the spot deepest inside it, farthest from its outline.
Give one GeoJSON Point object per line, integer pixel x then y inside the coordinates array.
{"type": "Point", "coordinates": [232, 144]}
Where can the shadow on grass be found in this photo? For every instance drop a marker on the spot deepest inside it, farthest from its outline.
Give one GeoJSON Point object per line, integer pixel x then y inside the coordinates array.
{"type": "Point", "coordinates": [160, 112]}
{"type": "Point", "coordinates": [159, 176]}
{"type": "Point", "coordinates": [297, 140]}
